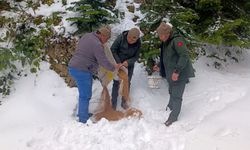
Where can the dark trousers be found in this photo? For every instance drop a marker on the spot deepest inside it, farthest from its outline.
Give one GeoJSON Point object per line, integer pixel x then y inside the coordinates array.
{"type": "Point", "coordinates": [116, 85]}
{"type": "Point", "coordinates": [176, 90]}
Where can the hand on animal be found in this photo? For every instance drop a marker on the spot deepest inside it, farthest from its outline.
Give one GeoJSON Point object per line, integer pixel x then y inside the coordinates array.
{"type": "Point", "coordinates": [125, 63]}
{"type": "Point", "coordinates": [118, 66]}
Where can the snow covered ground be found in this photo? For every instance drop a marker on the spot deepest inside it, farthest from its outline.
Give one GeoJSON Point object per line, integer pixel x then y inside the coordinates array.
{"type": "Point", "coordinates": [40, 113]}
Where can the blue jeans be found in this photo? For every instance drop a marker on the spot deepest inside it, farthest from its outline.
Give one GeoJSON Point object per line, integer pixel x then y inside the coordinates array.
{"type": "Point", "coordinates": [84, 82]}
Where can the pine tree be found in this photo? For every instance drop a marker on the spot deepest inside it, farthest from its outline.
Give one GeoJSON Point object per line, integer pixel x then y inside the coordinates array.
{"type": "Point", "coordinates": [229, 25]}
{"type": "Point", "coordinates": [228, 22]}
{"type": "Point", "coordinates": [92, 14]}
{"type": "Point", "coordinates": [157, 11]}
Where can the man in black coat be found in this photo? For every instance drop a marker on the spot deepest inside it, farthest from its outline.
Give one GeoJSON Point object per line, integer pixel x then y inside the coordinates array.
{"type": "Point", "coordinates": [125, 49]}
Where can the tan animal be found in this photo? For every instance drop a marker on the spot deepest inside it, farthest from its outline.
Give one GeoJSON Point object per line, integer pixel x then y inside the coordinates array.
{"type": "Point", "coordinates": [124, 85]}
{"type": "Point", "coordinates": [113, 115]}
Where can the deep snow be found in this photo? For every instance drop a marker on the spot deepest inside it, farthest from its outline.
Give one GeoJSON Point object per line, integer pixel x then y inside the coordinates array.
{"type": "Point", "coordinates": [40, 114]}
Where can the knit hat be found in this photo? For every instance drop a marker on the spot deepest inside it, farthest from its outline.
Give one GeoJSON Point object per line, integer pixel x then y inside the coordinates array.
{"type": "Point", "coordinates": [134, 32]}
{"type": "Point", "coordinates": [105, 30]}
{"type": "Point", "coordinates": [164, 28]}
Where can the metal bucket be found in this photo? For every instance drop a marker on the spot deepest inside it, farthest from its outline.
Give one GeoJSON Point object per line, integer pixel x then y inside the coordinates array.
{"type": "Point", "coordinates": [154, 81]}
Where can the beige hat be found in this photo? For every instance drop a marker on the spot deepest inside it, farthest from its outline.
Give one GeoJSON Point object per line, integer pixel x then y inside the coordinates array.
{"type": "Point", "coordinates": [134, 32]}
{"type": "Point", "coordinates": [105, 30]}
{"type": "Point", "coordinates": [164, 28]}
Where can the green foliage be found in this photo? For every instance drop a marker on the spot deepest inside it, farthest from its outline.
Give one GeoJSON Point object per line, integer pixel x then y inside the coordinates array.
{"type": "Point", "coordinates": [212, 6]}
{"type": "Point", "coordinates": [247, 7]}
{"type": "Point", "coordinates": [92, 14]}
{"type": "Point", "coordinates": [25, 42]}
{"type": "Point", "coordinates": [33, 5]}
{"type": "Point", "coordinates": [150, 23]}
{"type": "Point", "coordinates": [219, 22]}
{"type": "Point", "coordinates": [150, 51]}
{"type": "Point", "coordinates": [38, 20]}
{"type": "Point", "coordinates": [48, 2]}
{"type": "Point", "coordinates": [56, 18]}
{"type": "Point", "coordinates": [232, 33]}
{"type": "Point", "coordinates": [182, 19]}
{"type": "Point", "coordinates": [64, 2]}
{"type": "Point", "coordinates": [159, 6]}
{"type": "Point", "coordinates": [5, 83]}
{"type": "Point", "coordinates": [234, 9]}
{"type": "Point", "coordinates": [3, 21]}
{"type": "Point", "coordinates": [4, 5]}
{"type": "Point", "coordinates": [203, 8]}
{"type": "Point", "coordinates": [27, 49]}
{"type": "Point", "coordinates": [7, 58]}
{"type": "Point", "coordinates": [45, 33]}
{"type": "Point", "coordinates": [10, 34]}
{"type": "Point", "coordinates": [28, 46]}
{"type": "Point", "coordinates": [185, 20]}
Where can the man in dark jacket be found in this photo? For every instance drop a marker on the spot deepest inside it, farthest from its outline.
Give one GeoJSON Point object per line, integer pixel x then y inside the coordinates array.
{"type": "Point", "coordinates": [175, 65]}
{"type": "Point", "coordinates": [125, 50]}
{"type": "Point", "coordinates": [85, 62]}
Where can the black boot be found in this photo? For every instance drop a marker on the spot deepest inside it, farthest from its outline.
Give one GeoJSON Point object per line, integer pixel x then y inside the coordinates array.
{"type": "Point", "coordinates": [169, 122]}
{"type": "Point", "coordinates": [124, 104]}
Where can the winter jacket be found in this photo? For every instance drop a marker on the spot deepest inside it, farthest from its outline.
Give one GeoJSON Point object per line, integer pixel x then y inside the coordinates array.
{"type": "Point", "coordinates": [90, 54]}
{"type": "Point", "coordinates": [174, 58]}
{"type": "Point", "coordinates": [122, 50]}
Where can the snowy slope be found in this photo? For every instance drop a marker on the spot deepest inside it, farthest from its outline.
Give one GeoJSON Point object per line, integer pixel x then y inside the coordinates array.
{"type": "Point", "coordinates": [39, 115]}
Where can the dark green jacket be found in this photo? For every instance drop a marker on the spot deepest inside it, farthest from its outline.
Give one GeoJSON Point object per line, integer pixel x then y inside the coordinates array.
{"type": "Point", "coordinates": [122, 51]}
{"type": "Point", "coordinates": [175, 58]}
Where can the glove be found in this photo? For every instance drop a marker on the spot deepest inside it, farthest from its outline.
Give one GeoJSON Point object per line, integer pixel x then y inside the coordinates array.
{"type": "Point", "coordinates": [105, 76]}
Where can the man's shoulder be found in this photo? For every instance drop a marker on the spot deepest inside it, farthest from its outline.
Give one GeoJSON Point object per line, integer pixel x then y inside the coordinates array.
{"type": "Point", "coordinates": [179, 44]}
{"type": "Point", "coordinates": [88, 36]}
{"type": "Point", "coordinates": [91, 40]}
{"type": "Point", "coordinates": [123, 35]}
{"type": "Point", "coordinates": [177, 37]}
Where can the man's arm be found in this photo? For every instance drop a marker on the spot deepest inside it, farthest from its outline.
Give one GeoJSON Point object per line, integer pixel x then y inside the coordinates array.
{"type": "Point", "coordinates": [115, 48]}
{"type": "Point", "coordinates": [102, 58]}
{"type": "Point", "coordinates": [182, 51]}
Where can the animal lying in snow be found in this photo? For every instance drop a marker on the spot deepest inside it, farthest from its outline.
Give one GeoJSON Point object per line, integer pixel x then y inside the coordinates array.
{"type": "Point", "coordinates": [109, 113]}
